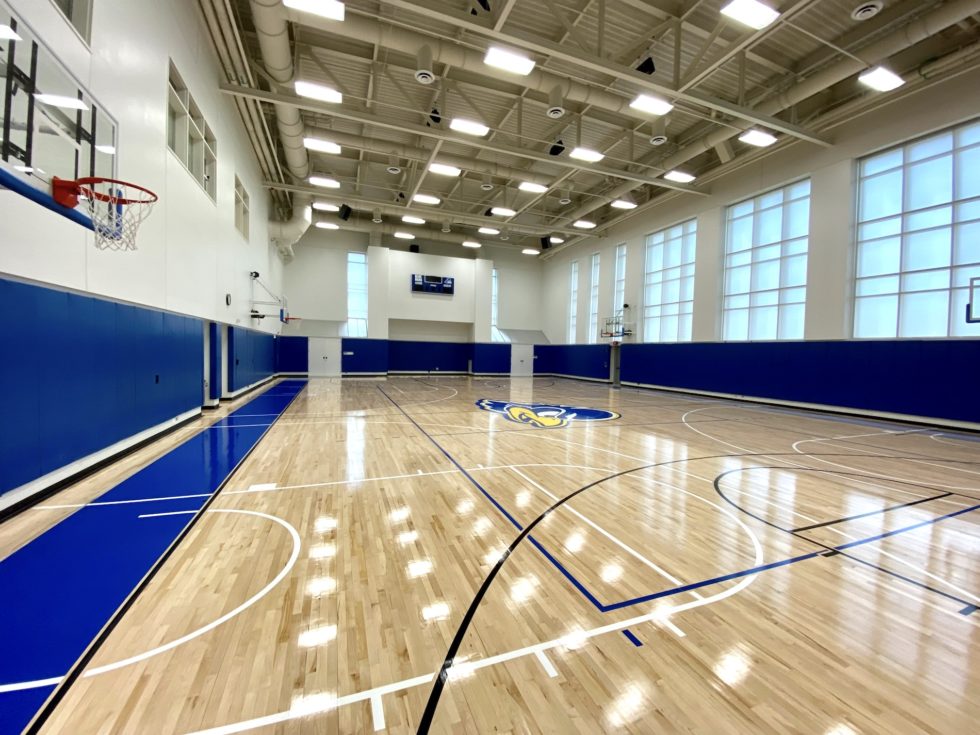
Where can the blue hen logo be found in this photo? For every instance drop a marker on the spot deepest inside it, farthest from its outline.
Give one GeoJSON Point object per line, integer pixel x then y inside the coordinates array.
{"type": "Point", "coordinates": [544, 415]}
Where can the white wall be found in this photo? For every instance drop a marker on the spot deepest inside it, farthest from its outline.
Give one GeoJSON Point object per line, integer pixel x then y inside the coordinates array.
{"type": "Point", "coordinates": [406, 304]}
{"type": "Point", "coordinates": [189, 252]}
{"type": "Point", "coordinates": [519, 288]}
{"type": "Point", "coordinates": [831, 245]}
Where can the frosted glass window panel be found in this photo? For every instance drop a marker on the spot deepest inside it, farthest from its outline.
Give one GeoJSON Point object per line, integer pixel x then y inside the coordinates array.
{"type": "Point", "coordinates": [742, 209]}
{"type": "Point", "coordinates": [769, 199]}
{"type": "Point", "coordinates": [740, 234]}
{"type": "Point", "coordinates": [877, 257]}
{"type": "Point", "coordinates": [882, 162]}
{"type": "Point", "coordinates": [929, 218]}
{"type": "Point", "coordinates": [792, 296]}
{"type": "Point", "coordinates": [930, 147]}
{"type": "Point", "coordinates": [799, 190]}
{"type": "Point", "coordinates": [880, 228]}
{"type": "Point", "coordinates": [929, 249]}
{"type": "Point", "coordinates": [881, 285]}
{"type": "Point", "coordinates": [881, 196]}
{"type": "Point", "coordinates": [875, 316]}
{"type": "Point", "coordinates": [926, 280]}
{"type": "Point", "coordinates": [736, 324]}
{"type": "Point", "coordinates": [765, 298]}
{"type": "Point", "coordinates": [794, 271]}
{"type": "Point", "coordinates": [924, 314]}
{"type": "Point", "coordinates": [791, 322]}
{"type": "Point", "coordinates": [968, 173]}
{"type": "Point", "coordinates": [739, 280]}
{"type": "Point", "coordinates": [770, 226]}
{"type": "Point", "coordinates": [763, 322]}
{"type": "Point", "coordinates": [669, 283]}
{"type": "Point", "coordinates": [798, 218]}
{"type": "Point", "coordinates": [968, 134]}
{"type": "Point", "coordinates": [930, 183]}
{"type": "Point", "coordinates": [765, 275]}
{"type": "Point", "coordinates": [961, 297]}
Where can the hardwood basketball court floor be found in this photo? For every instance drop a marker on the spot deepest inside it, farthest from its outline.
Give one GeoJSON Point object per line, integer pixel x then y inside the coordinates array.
{"type": "Point", "coordinates": [393, 557]}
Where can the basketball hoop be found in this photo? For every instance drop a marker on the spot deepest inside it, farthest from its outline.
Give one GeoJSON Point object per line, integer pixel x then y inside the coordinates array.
{"type": "Point", "coordinates": [117, 208]}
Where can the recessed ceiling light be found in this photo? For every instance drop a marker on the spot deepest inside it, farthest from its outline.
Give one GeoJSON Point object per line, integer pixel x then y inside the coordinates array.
{"type": "Point", "coordinates": [584, 224]}
{"type": "Point", "coordinates": [327, 226]}
{"type": "Point", "coordinates": [322, 146]}
{"type": "Point", "coordinates": [57, 100]}
{"type": "Point", "coordinates": [109, 150]}
{"type": "Point", "coordinates": [503, 211]}
{"type": "Point", "coordinates": [470, 127]}
{"type": "Point", "coordinates": [408, 219]}
{"type": "Point", "coordinates": [324, 207]}
{"type": "Point", "coordinates": [471, 244]}
{"type": "Point", "coordinates": [881, 79]}
{"type": "Point", "coordinates": [404, 235]}
{"type": "Point", "coordinates": [750, 12]}
{"type": "Point", "coordinates": [530, 251]}
{"type": "Point", "coordinates": [679, 176]}
{"type": "Point", "coordinates": [318, 92]}
{"type": "Point", "coordinates": [651, 104]}
{"type": "Point", "coordinates": [324, 181]}
{"type": "Point", "coordinates": [9, 34]}
{"type": "Point", "coordinates": [556, 240]}
{"type": "Point", "coordinates": [623, 204]}
{"type": "Point", "coordinates": [332, 9]}
{"type": "Point", "coordinates": [508, 61]}
{"type": "Point", "coordinates": [426, 199]}
{"type": "Point", "coordinates": [758, 138]}
{"type": "Point", "coordinates": [532, 187]}
{"type": "Point", "coordinates": [444, 170]}
{"type": "Point", "coordinates": [488, 231]}
{"type": "Point", "coordinates": [586, 154]}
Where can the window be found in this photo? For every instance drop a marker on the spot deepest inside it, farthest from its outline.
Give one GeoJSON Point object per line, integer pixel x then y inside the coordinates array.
{"type": "Point", "coordinates": [619, 290]}
{"type": "Point", "coordinates": [190, 137]}
{"type": "Point", "coordinates": [573, 302]}
{"type": "Point", "coordinates": [668, 283]}
{"type": "Point", "coordinates": [495, 334]}
{"type": "Point", "coordinates": [918, 238]}
{"type": "Point", "coordinates": [594, 300]}
{"type": "Point", "coordinates": [241, 208]}
{"type": "Point", "coordinates": [79, 14]}
{"type": "Point", "coordinates": [765, 265]}
{"type": "Point", "coordinates": [357, 296]}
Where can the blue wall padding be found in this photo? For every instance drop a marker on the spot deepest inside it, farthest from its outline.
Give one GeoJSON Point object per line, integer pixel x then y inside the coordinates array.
{"type": "Point", "coordinates": [423, 357]}
{"type": "Point", "coordinates": [83, 373]}
{"type": "Point", "coordinates": [491, 358]}
{"type": "Point", "coordinates": [67, 583]}
{"type": "Point", "coordinates": [214, 362]}
{"type": "Point", "coordinates": [583, 361]}
{"type": "Point", "coordinates": [292, 355]}
{"type": "Point", "coordinates": [933, 378]}
{"type": "Point", "coordinates": [251, 357]}
{"type": "Point", "coordinates": [364, 356]}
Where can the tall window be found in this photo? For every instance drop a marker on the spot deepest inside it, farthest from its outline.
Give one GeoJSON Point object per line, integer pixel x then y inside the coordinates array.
{"type": "Point", "coordinates": [572, 302]}
{"type": "Point", "coordinates": [190, 137]}
{"type": "Point", "coordinates": [79, 14]}
{"type": "Point", "coordinates": [357, 295]}
{"type": "Point", "coordinates": [594, 300]}
{"type": "Point", "coordinates": [765, 264]}
{"type": "Point", "coordinates": [668, 283]}
{"type": "Point", "coordinates": [918, 240]}
{"type": "Point", "coordinates": [619, 290]}
{"type": "Point", "coordinates": [495, 334]}
{"type": "Point", "coordinates": [241, 207]}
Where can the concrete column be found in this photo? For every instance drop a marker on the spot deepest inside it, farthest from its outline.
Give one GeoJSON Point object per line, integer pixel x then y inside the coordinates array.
{"type": "Point", "coordinates": [482, 293]}
{"type": "Point", "coordinates": [709, 269]}
{"type": "Point", "coordinates": [377, 292]}
{"type": "Point", "coordinates": [830, 257]}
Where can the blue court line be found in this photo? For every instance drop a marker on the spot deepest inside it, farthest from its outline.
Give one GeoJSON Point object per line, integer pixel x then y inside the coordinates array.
{"type": "Point", "coordinates": [62, 588]}
{"type": "Point", "coordinates": [632, 638]}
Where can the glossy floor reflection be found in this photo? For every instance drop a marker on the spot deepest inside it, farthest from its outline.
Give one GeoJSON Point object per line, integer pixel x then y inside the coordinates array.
{"type": "Point", "coordinates": [690, 565]}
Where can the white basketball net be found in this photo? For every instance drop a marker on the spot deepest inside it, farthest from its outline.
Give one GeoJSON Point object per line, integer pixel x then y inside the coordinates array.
{"type": "Point", "coordinates": [117, 211]}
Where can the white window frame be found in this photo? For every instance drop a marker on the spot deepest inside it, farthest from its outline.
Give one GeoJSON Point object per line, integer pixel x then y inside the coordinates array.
{"type": "Point", "coordinates": [594, 299]}
{"type": "Point", "coordinates": [669, 319]}
{"type": "Point", "coordinates": [495, 334]}
{"type": "Point", "coordinates": [572, 331]}
{"type": "Point", "coordinates": [189, 137]}
{"type": "Point", "coordinates": [357, 320]}
{"type": "Point", "coordinates": [907, 234]}
{"type": "Point", "coordinates": [241, 208]}
{"type": "Point", "coordinates": [619, 287]}
{"type": "Point", "coordinates": [743, 311]}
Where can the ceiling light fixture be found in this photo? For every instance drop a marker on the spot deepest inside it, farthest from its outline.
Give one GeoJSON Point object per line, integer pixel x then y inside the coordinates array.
{"type": "Point", "coordinates": [586, 154]}
{"type": "Point", "coordinates": [426, 199]}
{"type": "Point", "coordinates": [556, 240]}
{"type": "Point", "coordinates": [623, 203]}
{"type": "Point", "coordinates": [109, 150]}
{"type": "Point", "coordinates": [324, 207]}
{"type": "Point", "coordinates": [679, 176]}
{"type": "Point", "coordinates": [443, 170]}
{"type": "Point", "coordinates": [508, 61]}
{"type": "Point", "coordinates": [503, 211]}
{"type": "Point", "coordinates": [471, 244]}
{"type": "Point", "coordinates": [331, 9]}
{"type": "Point", "coordinates": [321, 146]}
{"type": "Point", "coordinates": [751, 13]}
{"type": "Point", "coordinates": [488, 231]}
{"type": "Point", "coordinates": [470, 127]}
{"type": "Point", "coordinates": [758, 138]}
{"type": "Point", "coordinates": [530, 251]}
{"type": "Point", "coordinates": [881, 79]}
{"type": "Point", "coordinates": [532, 187]}
{"type": "Point", "coordinates": [404, 235]}
{"type": "Point", "coordinates": [327, 226]}
{"type": "Point", "coordinates": [325, 182]}
{"type": "Point", "coordinates": [584, 224]}
{"type": "Point", "coordinates": [410, 220]}
{"type": "Point", "coordinates": [9, 34]}
{"type": "Point", "coordinates": [653, 105]}
{"type": "Point", "coordinates": [318, 92]}
{"type": "Point", "coordinates": [57, 100]}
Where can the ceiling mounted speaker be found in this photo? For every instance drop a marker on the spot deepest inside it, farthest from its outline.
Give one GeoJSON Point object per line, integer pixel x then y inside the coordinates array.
{"type": "Point", "coordinates": [413, 248]}
{"type": "Point", "coordinates": [545, 243]}
{"type": "Point", "coordinates": [647, 66]}
{"type": "Point", "coordinates": [557, 148]}
{"type": "Point", "coordinates": [423, 66]}
{"type": "Point", "coordinates": [345, 212]}
{"type": "Point", "coordinates": [434, 116]}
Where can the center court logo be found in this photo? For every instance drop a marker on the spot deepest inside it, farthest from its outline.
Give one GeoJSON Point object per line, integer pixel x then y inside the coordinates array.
{"type": "Point", "coordinates": [544, 415]}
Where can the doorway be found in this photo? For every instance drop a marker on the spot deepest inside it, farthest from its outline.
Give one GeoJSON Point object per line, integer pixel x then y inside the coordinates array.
{"type": "Point", "coordinates": [324, 357]}
{"type": "Point", "coordinates": [521, 361]}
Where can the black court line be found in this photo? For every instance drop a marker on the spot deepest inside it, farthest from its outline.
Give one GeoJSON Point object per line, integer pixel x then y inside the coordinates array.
{"type": "Point", "coordinates": [869, 513]}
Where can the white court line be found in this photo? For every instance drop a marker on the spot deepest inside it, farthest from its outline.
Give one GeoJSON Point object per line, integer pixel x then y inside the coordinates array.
{"type": "Point", "coordinates": [628, 549]}
{"type": "Point", "coordinates": [549, 668]}
{"type": "Point", "coordinates": [297, 544]}
{"type": "Point", "coordinates": [121, 502]}
{"type": "Point", "coordinates": [377, 713]}
{"type": "Point", "coordinates": [263, 486]}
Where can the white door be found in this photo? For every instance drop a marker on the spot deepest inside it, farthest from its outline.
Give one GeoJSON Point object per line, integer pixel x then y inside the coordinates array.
{"type": "Point", "coordinates": [521, 361]}
{"type": "Point", "coordinates": [324, 357]}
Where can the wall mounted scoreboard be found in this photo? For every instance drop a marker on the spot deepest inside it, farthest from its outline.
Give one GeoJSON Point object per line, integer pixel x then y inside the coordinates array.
{"type": "Point", "coordinates": [433, 284]}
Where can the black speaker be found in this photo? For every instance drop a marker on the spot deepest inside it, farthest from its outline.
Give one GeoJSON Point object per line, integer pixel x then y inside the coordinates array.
{"type": "Point", "coordinates": [545, 243]}
{"type": "Point", "coordinates": [413, 248]}
{"type": "Point", "coordinates": [344, 212]}
{"type": "Point", "coordinates": [557, 148]}
{"type": "Point", "coordinates": [647, 66]}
